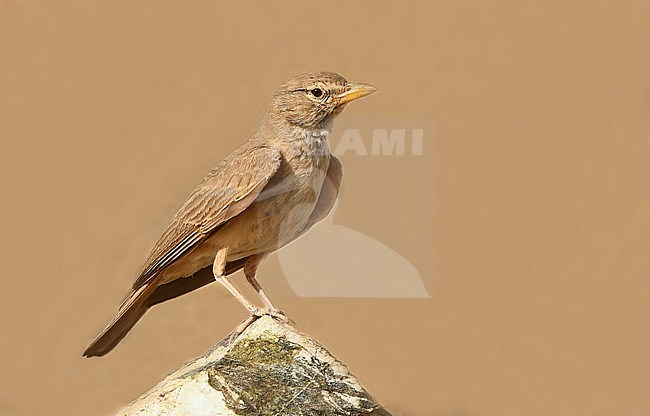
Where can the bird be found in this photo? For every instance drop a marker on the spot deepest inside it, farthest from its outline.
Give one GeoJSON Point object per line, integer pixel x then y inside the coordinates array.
{"type": "Point", "coordinates": [265, 194]}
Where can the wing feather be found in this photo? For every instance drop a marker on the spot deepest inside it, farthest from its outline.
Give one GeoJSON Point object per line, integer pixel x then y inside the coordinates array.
{"type": "Point", "coordinates": [227, 190]}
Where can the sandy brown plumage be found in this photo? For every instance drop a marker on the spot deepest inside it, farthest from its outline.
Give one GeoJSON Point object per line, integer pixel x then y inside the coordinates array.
{"type": "Point", "coordinates": [266, 193]}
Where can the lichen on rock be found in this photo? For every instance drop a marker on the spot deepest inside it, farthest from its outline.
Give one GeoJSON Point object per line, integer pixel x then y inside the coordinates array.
{"type": "Point", "coordinates": [269, 370]}
{"type": "Point", "coordinates": [270, 376]}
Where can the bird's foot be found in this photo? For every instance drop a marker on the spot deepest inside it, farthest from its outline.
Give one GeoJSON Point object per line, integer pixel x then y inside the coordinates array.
{"type": "Point", "coordinates": [256, 313]}
{"type": "Point", "coordinates": [280, 316]}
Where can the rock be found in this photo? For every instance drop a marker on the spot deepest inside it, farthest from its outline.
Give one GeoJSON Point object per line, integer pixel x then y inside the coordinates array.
{"type": "Point", "coordinates": [269, 369]}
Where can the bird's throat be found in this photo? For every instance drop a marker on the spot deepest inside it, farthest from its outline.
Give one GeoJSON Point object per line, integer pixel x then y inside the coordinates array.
{"type": "Point", "coordinates": [315, 143]}
{"type": "Point", "coordinates": [300, 142]}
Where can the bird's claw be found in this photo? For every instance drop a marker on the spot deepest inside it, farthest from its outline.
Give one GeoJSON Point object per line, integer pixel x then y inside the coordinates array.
{"type": "Point", "coordinates": [280, 316]}
{"type": "Point", "coordinates": [257, 313]}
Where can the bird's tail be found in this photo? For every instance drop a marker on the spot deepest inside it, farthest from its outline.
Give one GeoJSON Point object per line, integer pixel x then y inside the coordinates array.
{"type": "Point", "coordinates": [139, 301]}
{"type": "Point", "coordinates": [130, 313]}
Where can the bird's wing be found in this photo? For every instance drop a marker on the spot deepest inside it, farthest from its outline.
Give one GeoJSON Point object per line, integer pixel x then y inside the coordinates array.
{"type": "Point", "coordinates": [227, 191]}
{"type": "Point", "coordinates": [329, 192]}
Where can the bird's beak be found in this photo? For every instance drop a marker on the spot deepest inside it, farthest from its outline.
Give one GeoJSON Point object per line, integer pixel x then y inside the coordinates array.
{"type": "Point", "coordinates": [355, 91]}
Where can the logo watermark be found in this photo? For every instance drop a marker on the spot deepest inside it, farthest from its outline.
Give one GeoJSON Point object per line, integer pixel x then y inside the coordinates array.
{"type": "Point", "coordinates": [335, 260]}
{"type": "Point", "coordinates": [383, 142]}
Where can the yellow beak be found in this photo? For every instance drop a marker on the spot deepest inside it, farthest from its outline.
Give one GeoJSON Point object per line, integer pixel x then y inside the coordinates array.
{"type": "Point", "coordinates": [354, 92]}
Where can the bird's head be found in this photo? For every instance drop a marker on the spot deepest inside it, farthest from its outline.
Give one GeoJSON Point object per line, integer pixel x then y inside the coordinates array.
{"type": "Point", "coordinates": [310, 99]}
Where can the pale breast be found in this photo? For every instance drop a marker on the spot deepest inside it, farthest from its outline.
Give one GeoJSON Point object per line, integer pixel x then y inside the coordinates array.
{"type": "Point", "coordinates": [279, 215]}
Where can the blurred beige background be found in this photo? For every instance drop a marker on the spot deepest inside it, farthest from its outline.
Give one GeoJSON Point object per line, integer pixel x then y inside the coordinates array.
{"type": "Point", "coordinates": [527, 216]}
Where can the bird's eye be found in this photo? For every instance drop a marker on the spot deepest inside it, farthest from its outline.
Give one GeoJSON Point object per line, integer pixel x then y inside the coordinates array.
{"type": "Point", "coordinates": [317, 92]}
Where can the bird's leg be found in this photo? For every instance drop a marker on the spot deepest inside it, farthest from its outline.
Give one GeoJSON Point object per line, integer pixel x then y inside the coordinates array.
{"type": "Point", "coordinates": [250, 269]}
{"type": "Point", "coordinates": [218, 270]}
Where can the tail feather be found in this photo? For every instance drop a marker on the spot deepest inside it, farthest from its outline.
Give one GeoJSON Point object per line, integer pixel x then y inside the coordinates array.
{"type": "Point", "coordinates": [130, 313]}
{"type": "Point", "coordinates": [138, 302]}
